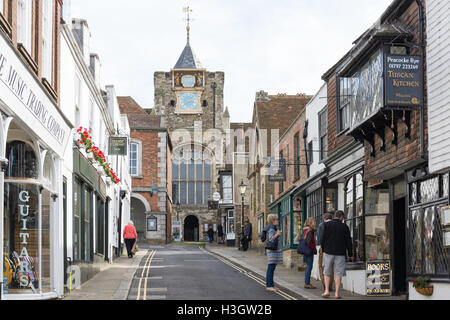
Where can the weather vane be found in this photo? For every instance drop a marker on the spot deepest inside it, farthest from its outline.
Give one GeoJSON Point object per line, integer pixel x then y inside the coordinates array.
{"type": "Point", "coordinates": [188, 11]}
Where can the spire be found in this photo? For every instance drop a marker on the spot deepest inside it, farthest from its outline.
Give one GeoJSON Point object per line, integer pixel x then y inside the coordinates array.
{"type": "Point", "coordinates": [188, 28]}
{"type": "Point", "coordinates": [226, 114]}
{"type": "Point", "coordinates": [188, 60]}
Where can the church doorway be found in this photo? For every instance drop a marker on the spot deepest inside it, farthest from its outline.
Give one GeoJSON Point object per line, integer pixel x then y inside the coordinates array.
{"type": "Point", "coordinates": [191, 228]}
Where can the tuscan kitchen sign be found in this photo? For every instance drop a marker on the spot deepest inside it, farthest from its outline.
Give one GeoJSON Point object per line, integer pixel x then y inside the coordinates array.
{"type": "Point", "coordinates": [403, 81]}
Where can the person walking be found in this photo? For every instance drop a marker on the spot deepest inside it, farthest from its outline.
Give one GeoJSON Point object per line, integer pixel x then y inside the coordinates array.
{"type": "Point", "coordinates": [247, 234]}
{"type": "Point", "coordinates": [273, 250]}
{"type": "Point", "coordinates": [335, 242]}
{"type": "Point", "coordinates": [326, 218]}
{"type": "Point", "coordinates": [130, 237]}
{"type": "Point", "coordinates": [210, 234]}
{"type": "Point", "coordinates": [219, 233]}
{"type": "Point", "coordinates": [308, 234]}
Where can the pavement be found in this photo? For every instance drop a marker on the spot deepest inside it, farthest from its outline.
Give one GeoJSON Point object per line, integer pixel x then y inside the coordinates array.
{"type": "Point", "coordinates": [289, 278]}
{"type": "Point", "coordinates": [114, 281]}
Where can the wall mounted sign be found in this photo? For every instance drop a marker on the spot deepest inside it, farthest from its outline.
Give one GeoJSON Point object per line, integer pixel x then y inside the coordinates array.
{"type": "Point", "coordinates": [176, 230]}
{"type": "Point", "coordinates": [446, 238]}
{"type": "Point", "coordinates": [378, 278]}
{"type": "Point", "coordinates": [212, 205]}
{"type": "Point", "coordinates": [403, 81]}
{"type": "Point", "coordinates": [118, 146]}
{"type": "Point", "coordinates": [445, 216]}
{"type": "Point", "coordinates": [152, 223]}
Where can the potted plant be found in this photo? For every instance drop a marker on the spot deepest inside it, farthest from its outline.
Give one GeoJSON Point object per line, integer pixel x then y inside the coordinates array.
{"type": "Point", "coordinates": [422, 286]}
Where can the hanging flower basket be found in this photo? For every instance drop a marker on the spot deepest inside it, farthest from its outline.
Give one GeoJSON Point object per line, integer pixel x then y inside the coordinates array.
{"type": "Point", "coordinates": [427, 291]}
{"type": "Point", "coordinates": [422, 286]}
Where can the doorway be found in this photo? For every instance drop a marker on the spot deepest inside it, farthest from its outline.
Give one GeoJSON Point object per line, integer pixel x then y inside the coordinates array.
{"type": "Point", "coordinates": [191, 228]}
{"type": "Point", "coordinates": [399, 247]}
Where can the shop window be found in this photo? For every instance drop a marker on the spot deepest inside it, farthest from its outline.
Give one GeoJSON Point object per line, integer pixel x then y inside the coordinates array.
{"type": "Point", "coordinates": [354, 214]}
{"type": "Point", "coordinates": [427, 254]}
{"type": "Point", "coordinates": [314, 201]}
{"type": "Point", "coordinates": [377, 224]}
{"type": "Point", "coordinates": [22, 161]}
{"type": "Point", "coordinates": [82, 222]}
{"type": "Point", "coordinates": [331, 200]}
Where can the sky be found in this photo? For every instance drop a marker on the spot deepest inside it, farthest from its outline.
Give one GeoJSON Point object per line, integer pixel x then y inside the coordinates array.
{"type": "Point", "coordinates": [279, 46]}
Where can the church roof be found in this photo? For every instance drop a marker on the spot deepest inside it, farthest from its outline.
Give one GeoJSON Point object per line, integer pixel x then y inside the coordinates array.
{"type": "Point", "coordinates": [188, 60]}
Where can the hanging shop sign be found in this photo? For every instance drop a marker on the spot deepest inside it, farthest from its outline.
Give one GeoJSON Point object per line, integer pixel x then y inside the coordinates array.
{"type": "Point", "coordinates": [118, 146]}
{"type": "Point", "coordinates": [25, 98]}
{"type": "Point", "coordinates": [403, 81]}
{"type": "Point", "coordinates": [277, 170]}
{"type": "Point", "coordinates": [378, 278]}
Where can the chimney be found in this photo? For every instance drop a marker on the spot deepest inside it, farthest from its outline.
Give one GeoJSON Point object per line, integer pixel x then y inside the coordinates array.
{"type": "Point", "coordinates": [82, 35]}
{"type": "Point", "coordinates": [262, 96]}
{"type": "Point", "coordinates": [94, 67]}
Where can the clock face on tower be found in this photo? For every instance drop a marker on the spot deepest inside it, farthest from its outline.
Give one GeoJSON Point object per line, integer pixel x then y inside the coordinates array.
{"type": "Point", "coordinates": [188, 102]}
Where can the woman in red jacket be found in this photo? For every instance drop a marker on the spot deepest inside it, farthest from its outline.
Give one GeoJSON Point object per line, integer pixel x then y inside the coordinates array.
{"type": "Point", "coordinates": [130, 236]}
{"type": "Point", "coordinates": [308, 234]}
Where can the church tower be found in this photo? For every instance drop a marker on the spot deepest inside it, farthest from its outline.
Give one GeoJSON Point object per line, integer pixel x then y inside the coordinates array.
{"type": "Point", "coordinates": [190, 99]}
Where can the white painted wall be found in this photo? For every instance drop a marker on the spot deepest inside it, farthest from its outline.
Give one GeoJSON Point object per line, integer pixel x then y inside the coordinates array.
{"type": "Point", "coordinates": [314, 106]}
{"type": "Point", "coordinates": [438, 83]}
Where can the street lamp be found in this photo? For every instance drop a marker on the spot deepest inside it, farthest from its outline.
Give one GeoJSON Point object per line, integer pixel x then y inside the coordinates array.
{"type": "Point", "coordinates": [242, 188]}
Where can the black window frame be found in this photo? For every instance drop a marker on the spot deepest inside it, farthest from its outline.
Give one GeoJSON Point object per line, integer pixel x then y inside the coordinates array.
{"type": "Point", "coordinates": [323, 133]}
{"type": "Point", "coordinates": [342, 102]}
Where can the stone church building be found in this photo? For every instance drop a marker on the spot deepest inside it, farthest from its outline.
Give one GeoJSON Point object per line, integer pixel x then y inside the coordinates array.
{"type": "Point", "coordinates": [190, 99]}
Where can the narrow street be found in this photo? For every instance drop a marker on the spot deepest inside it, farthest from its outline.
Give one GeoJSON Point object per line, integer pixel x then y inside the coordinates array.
{"type": "Point", "coordinates": [177, 272]}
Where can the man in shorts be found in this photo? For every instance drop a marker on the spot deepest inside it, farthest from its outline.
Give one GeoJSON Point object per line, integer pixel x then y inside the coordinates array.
{"type": "Point", "coordinates": [335, 241]}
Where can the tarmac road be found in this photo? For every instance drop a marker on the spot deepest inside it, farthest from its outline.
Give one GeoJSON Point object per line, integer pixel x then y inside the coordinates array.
{"type": "Point", "coordinates": [183, 272]}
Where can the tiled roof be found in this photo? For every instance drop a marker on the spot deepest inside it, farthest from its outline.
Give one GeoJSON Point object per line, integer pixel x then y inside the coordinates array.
{"type": "Point", "coordinates": [188, 60]}
{"type": "Point", "coordinates": [144, 121]}
{"type": "Point", "coordinates": [128, 105]}
{"type": "Point", "coordinates": [279, 111]}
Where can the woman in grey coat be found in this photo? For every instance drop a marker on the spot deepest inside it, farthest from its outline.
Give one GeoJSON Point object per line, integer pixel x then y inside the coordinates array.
{"type": "Point", "coordinates": [273, 249]}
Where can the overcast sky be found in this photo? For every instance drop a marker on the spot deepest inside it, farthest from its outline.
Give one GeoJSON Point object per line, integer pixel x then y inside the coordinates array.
{"type": "Point", "coordinates": [281, 46]}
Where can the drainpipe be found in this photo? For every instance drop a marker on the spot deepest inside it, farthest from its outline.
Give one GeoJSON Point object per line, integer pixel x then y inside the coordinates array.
{"type": "Point", "coordinates": [305, 143]}
{"type": "Point", "coordinates": [422, 53]}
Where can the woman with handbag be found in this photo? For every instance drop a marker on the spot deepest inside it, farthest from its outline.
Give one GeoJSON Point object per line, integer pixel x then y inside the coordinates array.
{"type": "Point", "coordinates": [273, 249]}
{"type": "Point", "coordinates": [130, 237]}
{"type": "Point", "coordinates": [307, 246]}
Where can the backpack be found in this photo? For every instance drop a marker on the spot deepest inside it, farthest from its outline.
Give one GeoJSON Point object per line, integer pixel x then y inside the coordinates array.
{"type": "Point", "coordinates": [264, 234]}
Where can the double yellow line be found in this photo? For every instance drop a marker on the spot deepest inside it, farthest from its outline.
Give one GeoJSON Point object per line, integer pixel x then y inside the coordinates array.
{"type": "Point", "coordinates": [251, 276]}
{"type": "Point", "coordinates": [146, 267]}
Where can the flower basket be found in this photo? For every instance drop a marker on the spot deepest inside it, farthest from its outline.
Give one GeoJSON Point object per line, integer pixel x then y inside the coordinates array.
{"type": "Point", "coordinates": [427, 291]}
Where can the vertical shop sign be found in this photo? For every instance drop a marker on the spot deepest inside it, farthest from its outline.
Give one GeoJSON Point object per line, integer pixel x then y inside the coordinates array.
{"type": "Point", "coordinates": [24, 269]}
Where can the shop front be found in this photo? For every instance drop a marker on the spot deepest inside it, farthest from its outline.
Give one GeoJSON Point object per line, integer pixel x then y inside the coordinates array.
{"type": "Point", "coordinates": [428, 231]}
{"type": "Point", "coordinates": [33, 139]}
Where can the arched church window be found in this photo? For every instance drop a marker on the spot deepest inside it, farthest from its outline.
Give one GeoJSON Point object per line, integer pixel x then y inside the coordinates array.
{"type": "Point", "coordinates": [191, 176]}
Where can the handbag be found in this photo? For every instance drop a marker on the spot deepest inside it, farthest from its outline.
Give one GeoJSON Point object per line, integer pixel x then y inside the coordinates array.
{"type": "Point", "coordinates": [271, 245]}
{"type": "Point", "coordinates": [135, 248]}
{"type": "Point", "coordinates": [303, 248]}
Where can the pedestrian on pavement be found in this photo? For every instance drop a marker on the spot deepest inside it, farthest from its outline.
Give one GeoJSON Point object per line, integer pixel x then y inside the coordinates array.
{"type": "Point", "coordinates": [335, 242]}
{"type": "Point", "coordinates": [247, 234]}
{"type": "Point", "coordinates": [211, 234]}
{"type": "Point", "coordinates": [219, 233]}
{"type": "Point", "coordinates": [130, 237]}
{"type": "Point", "coordinates": [326, 218]}
{"type": "Point", "coordinates": [273, 250]}
{"type": "Point", "coordinates": [308, 234]}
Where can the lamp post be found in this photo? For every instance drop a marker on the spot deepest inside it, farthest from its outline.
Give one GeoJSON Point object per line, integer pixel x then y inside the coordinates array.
{"type": "Point", "coordinates": [242, 188]}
